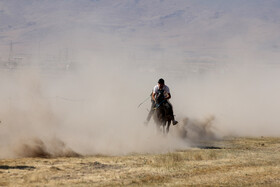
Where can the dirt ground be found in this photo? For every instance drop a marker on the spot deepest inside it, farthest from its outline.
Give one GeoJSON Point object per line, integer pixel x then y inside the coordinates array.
{"type": "Point", "coordinates": [228, 162]}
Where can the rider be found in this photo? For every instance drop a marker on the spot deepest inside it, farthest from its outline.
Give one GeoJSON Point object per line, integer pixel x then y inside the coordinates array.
{"type": "Point", "coordinates": [160, 87]}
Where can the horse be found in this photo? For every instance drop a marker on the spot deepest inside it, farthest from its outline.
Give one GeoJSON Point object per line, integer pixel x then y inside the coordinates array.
{"type": "Point", "coordinates": [162, 115]}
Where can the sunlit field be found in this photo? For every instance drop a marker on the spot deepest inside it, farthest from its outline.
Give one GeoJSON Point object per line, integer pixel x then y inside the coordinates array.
{"type": "Point", "coordinates": [232, 161]}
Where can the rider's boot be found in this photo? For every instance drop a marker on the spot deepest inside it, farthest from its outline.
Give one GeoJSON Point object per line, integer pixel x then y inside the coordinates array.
{"type": "Point", "coordinates": [174, 121]}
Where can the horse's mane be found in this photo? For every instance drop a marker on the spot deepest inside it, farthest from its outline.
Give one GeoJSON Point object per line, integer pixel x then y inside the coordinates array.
{"type": "Point", "coordinates": [160, 96]}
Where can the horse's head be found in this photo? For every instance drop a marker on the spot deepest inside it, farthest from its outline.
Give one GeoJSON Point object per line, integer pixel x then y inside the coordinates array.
{"type": "Point", "coordinates": [160, 96]}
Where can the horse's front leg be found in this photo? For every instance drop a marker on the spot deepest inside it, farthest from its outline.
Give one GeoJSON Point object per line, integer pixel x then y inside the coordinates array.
{"type": "Point", "coordinates": [168, 125]}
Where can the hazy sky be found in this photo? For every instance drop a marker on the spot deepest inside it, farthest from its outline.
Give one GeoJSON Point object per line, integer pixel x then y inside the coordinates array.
{"type": "Point", "coordinates": [192, 29]}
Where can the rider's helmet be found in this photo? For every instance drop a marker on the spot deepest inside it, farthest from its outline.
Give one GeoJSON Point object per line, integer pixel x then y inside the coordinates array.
{"type": "Point", "coordinates": [161, 81]}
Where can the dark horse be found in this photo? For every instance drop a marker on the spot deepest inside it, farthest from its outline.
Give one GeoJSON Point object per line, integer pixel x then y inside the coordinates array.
{"type": "Point", "coordinates": [162, 114]}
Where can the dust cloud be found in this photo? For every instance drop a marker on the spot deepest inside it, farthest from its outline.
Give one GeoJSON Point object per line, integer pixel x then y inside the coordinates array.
{"type": "Point", "coordinates": [35, 147]}
{"type": "Point", "coordinates": [93, 109]}
{"type": "Point", "coordinates": [72, 113]}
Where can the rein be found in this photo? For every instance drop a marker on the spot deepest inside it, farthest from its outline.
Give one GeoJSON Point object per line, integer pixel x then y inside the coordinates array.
{"type": "Point", "coordinates": [158, 105]}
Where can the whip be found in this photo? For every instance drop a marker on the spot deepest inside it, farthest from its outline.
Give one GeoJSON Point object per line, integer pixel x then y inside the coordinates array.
{"type": "Point", "coordinates": [143, 101]}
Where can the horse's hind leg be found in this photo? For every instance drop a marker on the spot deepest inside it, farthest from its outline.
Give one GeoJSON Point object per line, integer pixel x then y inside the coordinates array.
{"type": "Point", "coordinates": [158, 127]}
{"type": "Point", "coordinates": [163, 128]}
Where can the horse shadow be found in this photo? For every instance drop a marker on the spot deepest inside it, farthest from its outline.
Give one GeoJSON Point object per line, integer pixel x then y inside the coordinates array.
{"type": "Point", "coordinates": [6, 167]}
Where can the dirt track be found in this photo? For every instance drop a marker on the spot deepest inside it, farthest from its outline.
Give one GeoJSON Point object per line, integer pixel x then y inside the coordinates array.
{"type": "Point", "coordinates": [233, 161]}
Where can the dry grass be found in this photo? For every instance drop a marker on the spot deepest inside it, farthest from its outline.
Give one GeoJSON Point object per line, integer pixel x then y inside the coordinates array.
{"type": "Point", "coordinates": [241, 161]}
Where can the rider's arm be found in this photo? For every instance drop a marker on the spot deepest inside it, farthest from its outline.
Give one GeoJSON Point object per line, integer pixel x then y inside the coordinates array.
{"type": "Point", "coordinates": [168, 97]}
{"type": "Point", "coordinates": [153, 96]}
